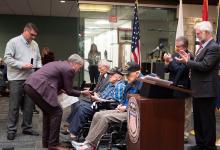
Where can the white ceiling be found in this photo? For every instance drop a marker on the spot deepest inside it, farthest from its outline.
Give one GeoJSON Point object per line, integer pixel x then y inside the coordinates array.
{"type": "Point", "coordinates": [39, 8]}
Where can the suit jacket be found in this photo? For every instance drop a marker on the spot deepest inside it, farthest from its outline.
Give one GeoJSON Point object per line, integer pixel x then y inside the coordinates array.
{"type": "Point", "coordinates": [179, 74]}
{"type": "Point", "coordinates": [51, 78]}
{"type": "Point", "coordinates": [204, 71]}
{"type": "Point", "coordinates": [101, 84]}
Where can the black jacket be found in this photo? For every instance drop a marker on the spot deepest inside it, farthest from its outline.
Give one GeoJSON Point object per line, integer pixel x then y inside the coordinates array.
{"type": "Point", "coordinates": [179, 74]}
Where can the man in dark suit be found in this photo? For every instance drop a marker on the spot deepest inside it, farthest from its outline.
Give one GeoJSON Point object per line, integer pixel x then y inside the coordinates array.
{"type": "Point", "coordinates": [43, 87]}
{"type": "Point", "coordinates": [204, 83]}
{"type": "Point", "coordinates": [103, 67]}
{"type": "Point", "coordinates": [179, 74]}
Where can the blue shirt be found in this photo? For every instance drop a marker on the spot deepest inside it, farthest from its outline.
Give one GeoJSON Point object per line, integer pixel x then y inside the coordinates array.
{"type": "Point", "coordinates": [114, 91]}
{"type": "Point", "coordinates": [131, 88]}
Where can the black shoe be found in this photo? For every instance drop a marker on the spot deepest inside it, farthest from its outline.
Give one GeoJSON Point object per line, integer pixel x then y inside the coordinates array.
{"type": "Point", "coordinates": [194, 148]}
{"type": "Point", "coordinates": [34, 133]}
{"type": "Point", "coordinates": [11, 136]}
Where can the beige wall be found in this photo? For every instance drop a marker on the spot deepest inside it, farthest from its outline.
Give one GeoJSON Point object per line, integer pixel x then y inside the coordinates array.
{"type": "Point", "coordinates": [193, 14]}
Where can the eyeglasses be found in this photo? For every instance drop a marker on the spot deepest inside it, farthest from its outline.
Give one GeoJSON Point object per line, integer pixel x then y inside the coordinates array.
{"type": "Point", "coordinates": [32, 34]}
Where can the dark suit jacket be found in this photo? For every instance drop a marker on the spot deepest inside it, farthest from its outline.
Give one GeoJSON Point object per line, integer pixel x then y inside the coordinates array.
{"type": "Point", "coordinates": [51, 78]}
{"type": "Point", "coordinates": [101, 84]}
{"type": "Point", "coordinates": [179, 74]}
{"type": "Point", "coordinates": [204, 71]}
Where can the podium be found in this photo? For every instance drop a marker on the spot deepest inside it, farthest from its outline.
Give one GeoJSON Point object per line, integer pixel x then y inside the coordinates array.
{"type": "Point", "coordinates": [155, 118]}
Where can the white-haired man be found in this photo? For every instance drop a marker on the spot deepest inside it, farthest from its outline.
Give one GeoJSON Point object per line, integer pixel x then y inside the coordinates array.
{"type": "Point", "coordinates": [204, 80]}
{"type": "Point", "coordinates": [82, 110]}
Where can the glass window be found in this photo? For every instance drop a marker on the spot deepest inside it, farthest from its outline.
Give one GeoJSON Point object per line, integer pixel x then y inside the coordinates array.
{"type": "Point", "coordinates": [110, 29]}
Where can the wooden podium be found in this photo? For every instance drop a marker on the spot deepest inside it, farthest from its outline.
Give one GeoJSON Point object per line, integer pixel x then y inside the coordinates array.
{"type": "Point", "coordinates": [156, 123]}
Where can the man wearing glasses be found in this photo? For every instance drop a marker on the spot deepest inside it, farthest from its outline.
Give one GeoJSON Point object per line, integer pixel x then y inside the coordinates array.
{"type": "Point", "coordinates": [180, 75]}
{"type": "Point", "coordinates": [22, 56]}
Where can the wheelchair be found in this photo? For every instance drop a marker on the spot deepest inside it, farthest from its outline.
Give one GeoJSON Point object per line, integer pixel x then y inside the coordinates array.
{"type": "Point", "coordinates": [115, 136]}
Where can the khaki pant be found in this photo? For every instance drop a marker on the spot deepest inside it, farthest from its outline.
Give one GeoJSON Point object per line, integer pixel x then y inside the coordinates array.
{"type": "Point", "coordinates": [188, 115]}
{"type": "Point", "coordinates": [100, 124]}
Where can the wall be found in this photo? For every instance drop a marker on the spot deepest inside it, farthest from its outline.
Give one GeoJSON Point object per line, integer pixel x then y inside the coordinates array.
{"type": "Point", "coordinates": [58, 33]}
{"type": "Point", "coordinates": [192, 14]}
{"type": "Point", "coordinates": [151, 32]}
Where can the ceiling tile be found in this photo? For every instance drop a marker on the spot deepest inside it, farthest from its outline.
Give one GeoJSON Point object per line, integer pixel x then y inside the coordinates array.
{"type": "Point", "coordinates": [20, 7]}
{"type": "Point", "coordinates": [4, 8]}
{"type": "Point", "coordinates": [61, 9]}
{"type": "Point", "coordinates": [40, 7]}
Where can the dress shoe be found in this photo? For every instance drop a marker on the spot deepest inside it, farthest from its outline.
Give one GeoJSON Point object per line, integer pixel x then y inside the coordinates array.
{"type": "Point", "coordinates": [34, 133]}
{"type": "Point", "coordinates": [194, 148]}
{"type": "Point", "coordinates": [11, 136]}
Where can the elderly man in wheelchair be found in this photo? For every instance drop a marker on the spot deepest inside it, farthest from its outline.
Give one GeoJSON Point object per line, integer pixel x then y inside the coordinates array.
{"type": "Point", "coordinates": [112, 93]}
{"type": "Point", "coordinates": [102, 119]}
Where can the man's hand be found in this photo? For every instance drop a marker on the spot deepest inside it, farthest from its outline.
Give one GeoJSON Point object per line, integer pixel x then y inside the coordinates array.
{"type": "Point", "coordinates": [27, 66]}
{"type": "Point", "coordinates": [184, 57]}
{"type": "Point", "coordinates": [86, 93]}
{"type": "Point", "coordinates": [95, 97]}
{"type": "Point", "coordinates": [167, 58]}
{"type": "Point", "coordinates": [121, 108]}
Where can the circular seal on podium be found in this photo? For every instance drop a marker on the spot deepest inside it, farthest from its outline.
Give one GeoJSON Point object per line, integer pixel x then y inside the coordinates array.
{"type": "Point", "coordinates": [133, 120]}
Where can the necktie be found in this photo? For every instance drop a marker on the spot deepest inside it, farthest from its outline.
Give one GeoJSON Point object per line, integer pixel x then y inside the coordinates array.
{"type": "Point", "coordinates": [197, 51]}
{"type": "Point", "coordinates": [100, 82]}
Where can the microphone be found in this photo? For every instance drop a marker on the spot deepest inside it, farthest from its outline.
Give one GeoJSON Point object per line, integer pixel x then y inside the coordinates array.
{"type": "Point", "coordinates": [32, 61]}
{"type": "Point", "coordinates": [158, 48]}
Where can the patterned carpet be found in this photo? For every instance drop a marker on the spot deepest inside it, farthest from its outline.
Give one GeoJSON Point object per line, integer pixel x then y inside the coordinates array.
{"type": "Point", "coordinates": [24, 142]}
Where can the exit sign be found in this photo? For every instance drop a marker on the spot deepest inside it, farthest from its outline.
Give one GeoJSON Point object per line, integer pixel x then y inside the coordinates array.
{"type": "Point", "coordinates": [113, 19]}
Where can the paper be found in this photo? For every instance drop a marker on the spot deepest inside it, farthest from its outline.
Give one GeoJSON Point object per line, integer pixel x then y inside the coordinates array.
{"type": "Point", "coordinates": [66, 100]}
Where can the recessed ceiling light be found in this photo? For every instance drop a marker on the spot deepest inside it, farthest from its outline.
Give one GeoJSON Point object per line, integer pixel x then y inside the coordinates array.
{"type": "Point", "coordinates": [62, 1]}
{"type": "Point", "coordinates": [95, 7]}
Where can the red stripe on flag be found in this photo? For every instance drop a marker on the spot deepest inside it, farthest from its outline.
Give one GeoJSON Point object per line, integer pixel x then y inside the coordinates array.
{"type": "Point", "coordinates": [205, 10]}
{"type": "Point", "coordinates": [135, 56]}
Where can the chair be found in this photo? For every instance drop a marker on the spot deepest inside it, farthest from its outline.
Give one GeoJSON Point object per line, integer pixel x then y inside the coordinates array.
{"type": "Point", "coordinates": [84, 131]}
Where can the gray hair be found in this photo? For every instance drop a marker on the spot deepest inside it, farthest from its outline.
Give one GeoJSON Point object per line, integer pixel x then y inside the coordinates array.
{"type": "Point", "coordinates": [184, 40]}
{"type": "Point", "coordinates": [75, 58]}
{"type": "Point", "coordinates": [204, 26]}
{"type": "Point", "coordinates": [104, 62]}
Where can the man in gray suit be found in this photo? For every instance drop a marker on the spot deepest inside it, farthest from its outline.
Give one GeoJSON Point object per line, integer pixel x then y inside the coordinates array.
{"type": "Point", "coordinates": [43, 87]}
{"type": "Point", "coordinates": [204, 83]}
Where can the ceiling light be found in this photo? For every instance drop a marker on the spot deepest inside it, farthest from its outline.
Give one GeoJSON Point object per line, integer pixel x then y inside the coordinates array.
{"type": "Point", "coordinates": [101, 22]}
{"type": "Point", "coordinates": [62, 1]}
{"type": "Point", "coordinates": [95, 7]}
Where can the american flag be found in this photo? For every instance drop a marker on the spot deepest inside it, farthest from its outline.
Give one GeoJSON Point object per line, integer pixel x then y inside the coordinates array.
{"type": "Point", "coordinates": [135, 45]}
